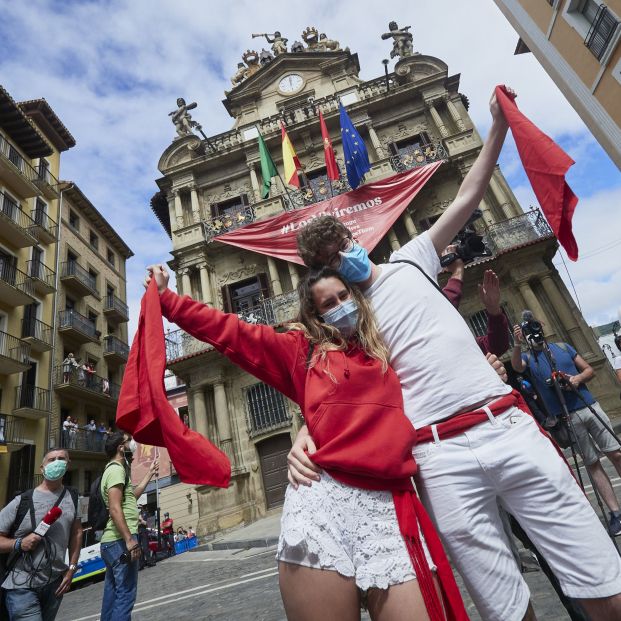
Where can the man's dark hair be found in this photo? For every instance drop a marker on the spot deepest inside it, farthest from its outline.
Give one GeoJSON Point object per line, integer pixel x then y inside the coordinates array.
{"type": "Point", "coordinates": [316, 235]}
{"type": "Point", "coordinates": [56, 448]}
{"type": "Point", "coordinates": [113, 442]}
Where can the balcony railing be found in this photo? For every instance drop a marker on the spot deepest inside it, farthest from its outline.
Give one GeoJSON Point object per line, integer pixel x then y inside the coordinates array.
{"type": "Point", "coordinates": [40, 271]}
{"type": "Point", "coordinates": [266, 409]}
{"type": "Point", "coordinates": [72, 269]}
{"type": "Point", "coordinates": [33, 398]}
{"type": "Point", "coordinates": [10, 153]}
{"type": "Point", "coordinates": [72, 319]}
{"type": "Point", "coordinates": [316, 193]}
{"type": "Point", "coordinates": [13, 276]}
{"type": "Point", "coordinates": [14, 348]}
{"type": "Point", "coordinates": [518, 231]}
{"type": "Point", "coordinates": [415, 156]}
{"type": "Point", "coordinates": [37, 329]}
{"type": "Point", "coordinates": [228, 222]}
{"type": "Point", "coordinates": [113, 303]}
{"type": "Point", "coordinates": [43, 221]}
{"type": "Point", "coordinates": [81, 439]}
{"type": "Point", "coordinates": [11, 429]}
{"type": "Point", "coordinates": [114, 345]}
{"type": "Point", "coordinates": [11, 210]}
{"type": "Point", "coordinates": [79, 377]}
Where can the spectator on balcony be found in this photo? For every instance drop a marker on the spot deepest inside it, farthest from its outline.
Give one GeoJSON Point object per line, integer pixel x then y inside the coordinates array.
{"type": "Point", "coordinates": [89, 370]}
{"type": "Point", "coordinates": [91, 434]}
{"type": "Point", "coordinates": [103, 434]}
{"type": "Point", "coordinates": [67, 425]}
{"type": "Point", "coordinates": [82, 374]}
{"type": "Point", "coordinates": [69, 367]}
{"type": "Point", "coordinates": [105, 385]}
{"type": "Point", "coordinates": [73, 433]}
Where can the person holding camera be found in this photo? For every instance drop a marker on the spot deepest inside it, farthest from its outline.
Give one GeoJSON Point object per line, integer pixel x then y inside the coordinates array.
{"type": "Point", "coordinates": [591, 435]}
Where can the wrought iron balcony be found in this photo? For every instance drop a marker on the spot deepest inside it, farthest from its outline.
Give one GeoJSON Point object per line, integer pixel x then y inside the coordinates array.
{"type": "Point", "coordinates": [45, 229]}
{"type": "Point", "coordinates": [415, 156]}
{"type": "Point", "coordinates": [228, 222]}
{"type": "Point", "coordinates": [81, 328]}
{"type": "Point", "coordinates": [115, 309]}
{"type": "Point", "coordinates": [16, 287]}
{"type": "Point", "coordinates": [14, 354]}
{"type": "Point", "coordinates": [16, 226]}
{"type": "Point", "coordinates": [180, 344]}
{"type": "Point", "coordinates": [266, 409]}
{"type": "Point", "coordinates": [78, 278]}
{"type": "Point", "coordinates": [320, 190]}
{"type": "Point", "coordinates": [81, 439]}
{"type": "Point", "coordinates": [522, 230]}
{"type": "Point", "coordinates": [32, 401]}
{"type": "Point", "coordinates": [75, 380]}
{"type": "Point", "coordinates": [11, 430]}
{"type": "Point", "coordinates": [115, 350]}
{"type": "Point", "coordinates": [37, 333]}
{"type": "Point", "coordinates": [43, 278]}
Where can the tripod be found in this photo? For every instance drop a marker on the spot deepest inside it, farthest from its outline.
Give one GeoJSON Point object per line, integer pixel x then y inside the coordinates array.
{"type": "Point", "coordinates": [559, 382]}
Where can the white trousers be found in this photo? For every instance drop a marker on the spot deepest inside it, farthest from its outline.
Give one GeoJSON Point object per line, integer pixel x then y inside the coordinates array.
{"type": "Point", "coordinates": [509, 459]}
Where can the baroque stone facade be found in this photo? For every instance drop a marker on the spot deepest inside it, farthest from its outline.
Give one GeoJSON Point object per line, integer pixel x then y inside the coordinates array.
{"type": "Point", "coordinates": [410, 117]}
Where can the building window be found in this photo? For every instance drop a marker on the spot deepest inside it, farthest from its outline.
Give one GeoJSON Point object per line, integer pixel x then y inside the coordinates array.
{"type": "Point", "coordinates": [478, 324]}
{"type": "Point", "coordinates": [93, 240]}
{"type": "Point", "coordinates": [40, 213]}
{"type": "Point", "coordinates": [9, 207]}
{"type": "Point", "coordinates": [74, 221]}
{"type": "Point", "coordinates": [603, 23]}
{"type": "Point", "coordinates": [111, 257]}
{"type": "Point", "coordinates": [409, 145]}
{"type": "Point", "coordinates": [93, 274]}
{"type": "Point", "coordinates": [246, 296]}
{"type": "Point", "coordinates": [230, 208]}
{"type": "Point", "coordinates": [14, 157]}
{"type": "Point", "coordinates": [266, 409]}
{"type": "Point", "coordinates": [44, 167]}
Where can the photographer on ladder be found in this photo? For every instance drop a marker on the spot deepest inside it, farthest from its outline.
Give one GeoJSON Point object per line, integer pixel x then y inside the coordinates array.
{"type": "Point", "coordinates": [591, 434]}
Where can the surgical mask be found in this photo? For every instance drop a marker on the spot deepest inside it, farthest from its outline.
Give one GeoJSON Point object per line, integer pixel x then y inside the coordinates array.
{"type": "Point", "coordinates": [128, 452]}
{"type": "Point", "coordinates": [55, 470]}
{"type": "Point", "coordinates": [355, 264]}
{"type": "Point", "coordinates": [344, 317]}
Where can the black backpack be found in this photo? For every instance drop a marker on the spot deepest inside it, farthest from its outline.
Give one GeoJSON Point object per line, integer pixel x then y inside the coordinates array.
{"type": "Point", "coordinates": [98, 514]}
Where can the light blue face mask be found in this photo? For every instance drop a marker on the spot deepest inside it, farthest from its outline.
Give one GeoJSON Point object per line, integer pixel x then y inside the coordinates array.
{"type": "Point", "coordinates": [55, 470]}
{"type": "Point", "coordinates": [344, 317]}
{"type": "Point", "coordinates": [355, 264]}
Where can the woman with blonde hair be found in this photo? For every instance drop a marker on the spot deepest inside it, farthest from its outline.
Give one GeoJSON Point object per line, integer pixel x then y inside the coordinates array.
{"type": "Point", "coordinates": [357, 531]}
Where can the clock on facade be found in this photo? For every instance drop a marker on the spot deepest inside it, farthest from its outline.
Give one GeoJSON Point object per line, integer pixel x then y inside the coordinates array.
{"type": "Point", "coordinates": [291, 83]}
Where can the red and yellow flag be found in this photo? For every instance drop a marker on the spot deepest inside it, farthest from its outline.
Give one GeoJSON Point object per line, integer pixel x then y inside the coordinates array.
{"type": "Point", "coordinates": [332, 168]}
{"type": "Point", "coordinates": [290, 160]}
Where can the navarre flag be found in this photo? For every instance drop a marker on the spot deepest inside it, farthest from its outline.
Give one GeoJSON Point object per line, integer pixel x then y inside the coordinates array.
{"type": "Point", "coordinates": [290, 160]}
{"type": "Point", "coordinates": [268, 168]}
{"type": "Point", "coordinates": [545, 164]}
{"type": "Point", "coordinates": [354, 150]}
{"type": "Point", "coordinates": [332, 168]}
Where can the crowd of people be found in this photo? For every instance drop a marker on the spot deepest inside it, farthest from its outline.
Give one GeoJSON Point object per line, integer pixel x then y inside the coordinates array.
{"type": "Point", "coordinates": [83, 373]}
{"type": "Point", "coordinates": [91, 437]}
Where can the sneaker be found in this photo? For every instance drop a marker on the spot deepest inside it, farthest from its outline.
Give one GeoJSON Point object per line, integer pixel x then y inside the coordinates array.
{"type": "Point", "coordinates": [614, 526]}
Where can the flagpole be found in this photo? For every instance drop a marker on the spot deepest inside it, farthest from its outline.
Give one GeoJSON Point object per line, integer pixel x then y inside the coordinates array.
{"type": "Point", "coordinates": [157, 503]}
{"type": "Point", "coordinates": [286, 189]}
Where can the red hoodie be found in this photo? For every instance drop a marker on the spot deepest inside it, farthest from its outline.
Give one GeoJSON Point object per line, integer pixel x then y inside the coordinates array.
{"type": "Point", "coordinates": [353, 410]}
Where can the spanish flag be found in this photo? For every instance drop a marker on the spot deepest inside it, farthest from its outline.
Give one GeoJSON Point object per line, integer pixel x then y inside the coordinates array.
{"type": "Point", "coordinates": [290, 160]}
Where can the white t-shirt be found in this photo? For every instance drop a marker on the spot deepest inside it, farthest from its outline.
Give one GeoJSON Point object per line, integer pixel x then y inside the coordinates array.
{"type": "Point", "coordinates": [440, 366]}
{"type": "Point", "coordinates": [616, 363]}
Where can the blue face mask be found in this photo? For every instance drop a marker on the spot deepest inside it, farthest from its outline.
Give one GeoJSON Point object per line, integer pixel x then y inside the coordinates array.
{"type": "Point", "coordinates": [55, 470]}
{"type": "Point", "coordinates": [355, 264]}
{"type": "Point", "coordinates": [344, 317]}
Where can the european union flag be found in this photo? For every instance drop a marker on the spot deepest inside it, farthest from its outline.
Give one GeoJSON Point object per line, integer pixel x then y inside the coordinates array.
{"type": "Point", "coordinates": [354, 151]}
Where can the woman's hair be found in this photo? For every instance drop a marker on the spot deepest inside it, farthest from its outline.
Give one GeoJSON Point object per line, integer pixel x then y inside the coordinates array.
{"type": "Point", "coordinates": [328, 338]}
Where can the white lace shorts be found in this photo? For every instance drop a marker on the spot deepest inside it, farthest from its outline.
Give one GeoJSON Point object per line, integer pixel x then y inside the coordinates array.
{"type": "Point", "coordinates": [345, 529]}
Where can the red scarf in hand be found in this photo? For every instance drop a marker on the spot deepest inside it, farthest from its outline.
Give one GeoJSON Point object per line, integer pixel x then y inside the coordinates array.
{"type": "Point", "coordinates": [545, 164]}
{"type": "Point", "coordinates": [144, 410]}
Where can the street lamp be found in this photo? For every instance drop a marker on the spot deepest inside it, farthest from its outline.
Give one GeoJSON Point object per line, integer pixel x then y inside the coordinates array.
{"type": "Point", "coordinates": [385, 63]}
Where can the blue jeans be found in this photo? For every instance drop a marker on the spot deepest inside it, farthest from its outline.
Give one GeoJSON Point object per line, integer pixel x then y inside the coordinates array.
{"type": "Point", "coordinates": [121, 583]}
{"type": "Point", "coordinates": [33, 604]}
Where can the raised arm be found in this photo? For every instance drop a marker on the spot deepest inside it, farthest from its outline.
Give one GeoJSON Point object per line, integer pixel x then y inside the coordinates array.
{"type": "Point", "coordinates": [496, 341]}
{"type": "Point", "coordinates": [474, 184]}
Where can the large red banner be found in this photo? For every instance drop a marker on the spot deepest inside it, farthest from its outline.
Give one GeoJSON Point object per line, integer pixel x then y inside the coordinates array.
{"type": "Point", "coordinates": [368, 212]}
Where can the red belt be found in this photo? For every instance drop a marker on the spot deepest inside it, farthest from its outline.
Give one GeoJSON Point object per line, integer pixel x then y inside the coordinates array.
{"type": "Point", "coordinates": [462, 422]}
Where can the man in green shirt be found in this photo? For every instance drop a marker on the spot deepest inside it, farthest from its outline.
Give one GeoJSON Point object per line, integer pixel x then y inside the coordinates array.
{"type": "Point", "coordinates": [120, 550]}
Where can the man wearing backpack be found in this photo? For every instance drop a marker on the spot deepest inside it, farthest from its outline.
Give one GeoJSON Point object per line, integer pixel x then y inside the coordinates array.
{"type": "Point", "coordinates": [593, 438]}
{"type": "Point", "coordinates": [37, 576]}
{"type": "Point", "coordinates": [120, 549]}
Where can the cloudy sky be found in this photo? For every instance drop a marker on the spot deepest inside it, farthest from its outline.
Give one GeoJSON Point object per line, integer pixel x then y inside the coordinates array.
{"type": "Point", "coordinates": [112, 70]}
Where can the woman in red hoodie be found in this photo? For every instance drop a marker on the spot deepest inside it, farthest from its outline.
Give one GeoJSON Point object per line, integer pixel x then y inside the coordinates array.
{"type": "Point", "coordinates": [359, 528]}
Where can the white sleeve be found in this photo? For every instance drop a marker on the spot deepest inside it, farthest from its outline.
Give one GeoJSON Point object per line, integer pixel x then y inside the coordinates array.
{"type": "Point", "coordinates": [616, 363]}
{"type": "Point", "coordinates": [421, 251]}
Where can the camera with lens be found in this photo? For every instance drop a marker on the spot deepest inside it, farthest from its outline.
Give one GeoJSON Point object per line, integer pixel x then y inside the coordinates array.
{"type": "Point", "coordinates": [532, 329]}
{"type": "Point", "coordinates": [468, 244]}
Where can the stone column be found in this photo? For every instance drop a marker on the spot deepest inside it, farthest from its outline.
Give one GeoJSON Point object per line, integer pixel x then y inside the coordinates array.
{"type": "Point", "coordinates": [454, 112]}
{"type": "Point", "coordinates": [196, 209]}
{"type": "Point", "coordinates": [254, 180]}
{"type": "Point", "coordinates": [393, 240]}
{"type": "Point", "coordinates": [410, 227]}
{"type": "Point", "coordinates": [223, 420]}
{"type": "Point", "coordinates": [178, 209]}
{"type": "Point", "coordinates": [206, 284]}
{"type": "Point", "coordinates": [293, 272]}
{"type": "Point", "coordinates": [274, 278]}
{"type": "Point", "coordinates": [172, 214]}
{"type": "Point", "coordinates": [186, 283]}
{"type": "Point", "coordinates": [375, 141]}
{"type": "Point", "coordinates": [200, 411]}
{"type": "Point", "coordinates": [437, 119]}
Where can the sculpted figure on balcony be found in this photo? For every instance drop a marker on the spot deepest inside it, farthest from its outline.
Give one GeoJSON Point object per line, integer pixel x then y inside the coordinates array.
{"type": "Point", "coordinates": [182, 119]}
{"type": "Point", "coordinates": [401, 40]}
{"type": "Point", "coordinates": [277, 41]}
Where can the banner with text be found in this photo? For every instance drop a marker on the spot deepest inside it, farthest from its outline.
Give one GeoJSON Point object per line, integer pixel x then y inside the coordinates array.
{"type": "Point", "coordinates": [367, 212]}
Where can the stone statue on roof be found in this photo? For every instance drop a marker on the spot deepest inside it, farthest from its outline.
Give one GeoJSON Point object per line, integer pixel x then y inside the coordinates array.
{"type": "Point", "coordinates": [297, 48]}
{"type": "Point", "coordinates": [402, 45]}
{"type": "Point", "coordinates": [328, 44]}
{"type": "Point", "coordinates": [182, 119]}
{"type": "Point", "coordinates": [266, 57]}
{"type": "Point", "coordinates": [276, 40]}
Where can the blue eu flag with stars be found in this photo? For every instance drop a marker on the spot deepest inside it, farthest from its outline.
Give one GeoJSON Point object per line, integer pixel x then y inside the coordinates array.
{"type": "Point", "coordinates": [354, 151]}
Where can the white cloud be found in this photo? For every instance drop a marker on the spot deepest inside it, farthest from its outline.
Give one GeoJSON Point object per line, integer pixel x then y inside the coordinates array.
{"type": "Point", "coordinates": [113, 69]}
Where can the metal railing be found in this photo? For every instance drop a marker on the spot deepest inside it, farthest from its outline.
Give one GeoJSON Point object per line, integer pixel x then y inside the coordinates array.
{"type": "Point", "coordinates": [13, 276]}
{"type": "Point", "coordinates": [114, 345]}
{"type": "Point", "coordinates": [518, 231]}
{"type": "Point", "coordinates": [14, 348]}
{"type": "Point", "coordinates": [13, 211]}
{"type": "Point", "coordinates": [315, 193]}
{"type": "Point", "coordinates": [180, 344]}
{"type": "Point", "coordinates": [415, 156]}
{"type": "Point", "coordinates": [11, 429]}
{"type": "Point", "coordinates": [36, 329]}
{"type": "Point", "coordinates": [602, 30]}
{"type": "Point", "coordinates": [112, 302]}
{"type": "Point", "coordinates": [43, 221]}
{"type": "Point", "coordinates": [80, 439]}
{"type": "Point", "coordinates": [72, 319]}
{"type": "Point", "coordinates": [78, 376]}
{"type": "Point", "coordinates": [266, 409]}
{"type": "Point", "coordinates": [34, 175]}
{"type": "Point", "coordinates": [33, 397]}
{"type": "Point", "coordinates": [72, 268]}
{"type": "Point", "coordinates": [40, 271]}
{"type": "Point", "coordinates": [228, 222]}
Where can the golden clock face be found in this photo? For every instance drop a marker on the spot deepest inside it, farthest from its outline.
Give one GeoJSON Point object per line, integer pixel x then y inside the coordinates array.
{"type": "Point", "coordinates": [291, 83]}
